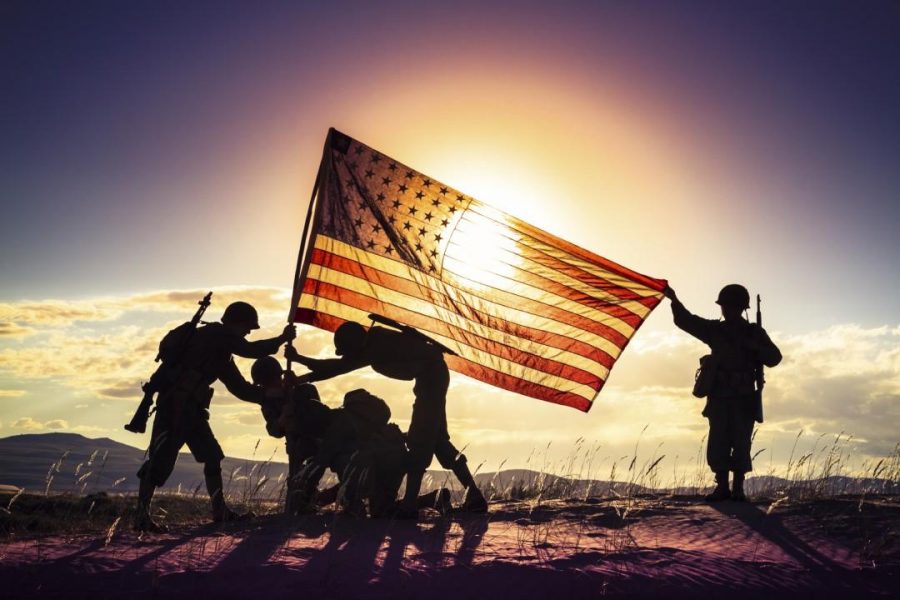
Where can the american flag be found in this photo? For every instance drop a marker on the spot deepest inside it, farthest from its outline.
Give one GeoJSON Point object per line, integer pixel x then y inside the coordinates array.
{"type": "Point", "coordinates": [524, 310]}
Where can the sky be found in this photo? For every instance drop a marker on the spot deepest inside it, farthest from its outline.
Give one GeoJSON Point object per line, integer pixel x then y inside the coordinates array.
{"type": "Point", "coordinates": [151, 151]}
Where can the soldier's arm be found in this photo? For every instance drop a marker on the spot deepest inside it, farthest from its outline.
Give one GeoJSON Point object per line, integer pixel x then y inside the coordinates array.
{"type": "Point", "coordinates": [690, 323]}
{"type": "Point", "coordinates": [261, 348]}
{"type": "Point", "coordinates": [765, 348]}
{"type": "Point", "coordinates": [324, 368]}
{"type": "Point", "coordinates": [240, 387]}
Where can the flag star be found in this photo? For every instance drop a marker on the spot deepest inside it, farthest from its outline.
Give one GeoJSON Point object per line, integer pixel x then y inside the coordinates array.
{"type": "Point", "coordinates": [380, 197]}
{"type": "Point", "coordinates": [413, 210]}
{"type": "Point", "coordinates": [422, 231]}
{"type": "Point", "coordinates": [396, 204]}
{"type": "Point", "coordinates": [432, 268]}
{"type": "Point", "coordinates": [358, 222]}
{"type": "Point", "coordinates": [435, 202]}
{"type": "Point", "coordinates": [349, 181]}
{"type": "Point", "coordinates": [419, 195]}
{"type": "Point", "coordinates": [362, 204]}
{"type": "Point", "coordinates": [392, 219]}
{"type": "Point", "coordinates": [426, 183]}
{"type": "Point", "coordinates": [359, 150]}
{"type": "Point", "coordinates": [376, 228]}
{"type": "Point", "coordinates": [445, 222]}
{"type": "Point", "coordinates": [437, 237]}
{"type": "Point", "coordinates": [386, 180]}
{"type": "Point", "coordinates": [376, 158]}
{"type": "Point", "coordinates": [369, 173]}
{"type": "Point", "coordinates": [460, 197]}
{"type": "Point", "coordinates": [409, 175]}
{"type": "Point", "coordinates": [370, 243]}
{"type": "Point", "coordinates": [428, 216]}
{"type": "Point", "coordinates": [433, 253]}
{"type": "Point", "coordinates": [392, 166]}
{"type": "Point", "coordinates": [443, 191]}
{"type": "Point", "coordinates": [403, 188]}
{"type": "Point", "coordinates": [352, 165]}
{"type": "Point", "coordinates": [407, 226]}
{"type": "Point", "coordinates": [418, 246]}
{"type": "Point", "coordinates": [452, 209]}
{"type": "Point", "coordinates": [388, 249]}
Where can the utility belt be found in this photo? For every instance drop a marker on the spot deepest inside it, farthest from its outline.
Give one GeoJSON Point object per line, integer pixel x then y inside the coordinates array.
{"type": "Point", "coordinates": [713, 378]}
{"type": "Point", "coordinates": [187, 396]}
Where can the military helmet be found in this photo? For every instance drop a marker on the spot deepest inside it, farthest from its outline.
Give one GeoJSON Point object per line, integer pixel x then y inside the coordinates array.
{"type": "Point", "coordinates": [349, 337]}
{"type": "Point", "coordinates": [241, 312]}
{"type": "Point", "coordinates": [265, 370]}
{"type": "Point", "coordinates": [307, 391]}
{"type": "Point", "coordinates": [734, 294]}
{"type": "Point", "coordinates": [367, 406]}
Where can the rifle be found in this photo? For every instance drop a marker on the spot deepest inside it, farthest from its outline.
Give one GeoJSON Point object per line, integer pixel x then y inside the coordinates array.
{"type": "Point", "coordinates": [759, 374]}
{"type": "Point", "coordinates": [411, 331]}
{"type": "Point", "coordinates": [154, 385]}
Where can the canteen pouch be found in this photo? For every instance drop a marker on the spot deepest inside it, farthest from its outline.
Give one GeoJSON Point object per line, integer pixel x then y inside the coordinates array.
{"type": "Point", "coordinates": [705, 377]}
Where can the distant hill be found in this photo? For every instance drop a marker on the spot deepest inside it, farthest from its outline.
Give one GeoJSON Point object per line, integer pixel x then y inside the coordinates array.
{"type": "Point", "coordinates": [72, 462]}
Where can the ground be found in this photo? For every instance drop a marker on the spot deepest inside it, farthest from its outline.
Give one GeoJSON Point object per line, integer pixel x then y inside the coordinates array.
{"type": "Point", "coordinates": [672, 547]}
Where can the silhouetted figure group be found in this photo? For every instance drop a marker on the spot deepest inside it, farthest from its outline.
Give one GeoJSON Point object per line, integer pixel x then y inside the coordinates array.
{"type": "Point", "coordinates": [369, 455]}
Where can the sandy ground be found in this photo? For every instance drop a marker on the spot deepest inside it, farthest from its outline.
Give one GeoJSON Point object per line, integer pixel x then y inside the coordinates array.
{"type": "Point", "coordinates": [673, 548]}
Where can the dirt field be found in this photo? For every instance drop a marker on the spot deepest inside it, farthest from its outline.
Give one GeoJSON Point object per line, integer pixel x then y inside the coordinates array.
{"type": "Point", "coordinates": [671, 548]}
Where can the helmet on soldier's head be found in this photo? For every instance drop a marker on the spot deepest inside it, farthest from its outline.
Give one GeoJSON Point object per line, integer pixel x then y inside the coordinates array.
{"type": "Point", "coordinates": [265, 370]}
{"type": "Point", "coordinates": [734, 294]}
{"type": "Point", "coordinates": [349, 337]}
{"type": "Point", "coordinates": [307, 391]}
{"type": "Point", "coordinates": [241, 312]}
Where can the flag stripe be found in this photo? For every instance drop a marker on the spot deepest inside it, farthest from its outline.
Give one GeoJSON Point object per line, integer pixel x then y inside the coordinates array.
{"type": "Point", "coordinates": [528, 313]}
{"type": "Point", "coordinates": [349, 311]}
{"type": "Point", "coordinates": [463, 304]}
{"type": "Point", "coordinates": [596, 284]}
{"type": "Point", "coordinates": [466, 367]}
{"type": "Point", "coordinates": [616, 273]}
{"type": "Point", "coordinates": [569, 315]}
{"type": "Point", "coordinates": [464, 339]}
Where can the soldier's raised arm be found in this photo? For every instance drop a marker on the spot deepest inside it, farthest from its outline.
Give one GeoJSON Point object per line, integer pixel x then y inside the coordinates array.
{"type": "Point", "coordinates": [698, 327]}
{"type": "Point", "coordinates": [261, 348]}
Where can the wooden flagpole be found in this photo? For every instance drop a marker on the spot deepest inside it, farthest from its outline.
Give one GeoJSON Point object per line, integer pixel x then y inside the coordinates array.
{"type": "Point", "coordinates": [305, 246]}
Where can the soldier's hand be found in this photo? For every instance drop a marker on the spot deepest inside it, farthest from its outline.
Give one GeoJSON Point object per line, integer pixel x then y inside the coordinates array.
{"type": "Point", "coordinates": [291, 354]}
{"type": "Point", "coordinates": [305, 378]}
{"type": "Point", "coordinates": [289, 333]}
{"type": "Point", "coordinates": [670, 293]}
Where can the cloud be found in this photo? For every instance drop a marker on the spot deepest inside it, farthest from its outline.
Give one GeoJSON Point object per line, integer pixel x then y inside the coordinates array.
{"type": "Point", "coordinates": [12, 330]}
{"type": "Point", "coordinates": [29, 424]}
{"type": "Point", "coordinates": [12, 393]}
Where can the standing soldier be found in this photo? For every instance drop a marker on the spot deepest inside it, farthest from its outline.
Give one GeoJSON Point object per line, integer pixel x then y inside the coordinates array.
{"type": "Point", "coordinates": [737, 349]}
{"type": "Point", "coordinates": [182, 407]}
{"type": "Point", "coordinates": [401, 355]}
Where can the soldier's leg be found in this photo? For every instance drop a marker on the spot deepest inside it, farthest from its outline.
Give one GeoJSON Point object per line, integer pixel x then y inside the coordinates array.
{"type": "Point", "coordinates": [718, 448]}
{"type": "Point", "coordinates": [206, 449]}
{"type": "Point", "coordinates": [453, 459]}
{"type": "Point", "coordinates": [162, 455]}
{"type": "Point", "coordinates": [742, 434]}
{"type": "Point", "coordinates": [424, 429]}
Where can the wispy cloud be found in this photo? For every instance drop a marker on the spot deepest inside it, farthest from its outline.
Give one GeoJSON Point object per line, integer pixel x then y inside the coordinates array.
{"type": "Point", "coordinates": [12, 393]}
{"type": "Point", "coordinates": [29, 424]}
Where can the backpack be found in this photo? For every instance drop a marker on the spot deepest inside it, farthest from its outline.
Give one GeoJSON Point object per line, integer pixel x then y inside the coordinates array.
{"type": "Point", "coordinates": [172, 344]}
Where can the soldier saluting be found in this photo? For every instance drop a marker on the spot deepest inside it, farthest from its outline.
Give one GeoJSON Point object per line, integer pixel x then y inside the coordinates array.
{"type": "Point", "coordinates": [182, 415]}
{"type": "Point", "coordinates": [737, 347]}
{"type": "Point", "coordinates": [406, 355]}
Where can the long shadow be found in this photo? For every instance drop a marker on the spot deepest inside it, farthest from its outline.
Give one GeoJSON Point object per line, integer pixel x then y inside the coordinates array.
{"type": "Point", "coordinates": [474, 527]}
{"type": "Point", "coordinates": [266, 538]}
{"type": "Point", "coordinates": [830, 575]}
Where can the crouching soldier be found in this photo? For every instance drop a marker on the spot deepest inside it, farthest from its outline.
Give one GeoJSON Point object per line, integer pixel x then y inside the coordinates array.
{"type": "Point", "coordinates": [737, 348]}
{"type": "Point", "coordinates": [295, 412]}
{"type": "Point", "coordinates": [401, 355]}
{"type": "Point", "coordinates": [182, 405]}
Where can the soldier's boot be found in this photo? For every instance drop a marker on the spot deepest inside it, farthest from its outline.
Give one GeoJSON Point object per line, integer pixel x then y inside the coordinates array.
{"type": "Point", "coordinates": [474, 501]}
{"type": "Point", "coordinates": [737, 488]}
{"type": "Point", "coordinates": [438, 500]}
{"type": "Point", "coordinates": [220, 511]}
{"type": "Point", "coordinates": [408, 508]}
{"type": "Point", "coordinates": [721, 492]}
{"type": "Point", "coordinates": [143, 522]}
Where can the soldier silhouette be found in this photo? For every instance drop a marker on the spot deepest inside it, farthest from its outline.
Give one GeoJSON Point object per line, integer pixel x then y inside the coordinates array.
{"type": "Point", "coordinates": [737, 348]}
{"type": "Point", "coordinates": [182, 407]}
{"type": "Point", "coordinates": [295, 412]}
{"type": "Point", "coordinates": [401, 355]}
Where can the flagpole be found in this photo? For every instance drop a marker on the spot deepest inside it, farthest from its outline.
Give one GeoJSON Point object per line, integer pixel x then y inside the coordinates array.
{"type": "Point", "coordinates": [302, 265]}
